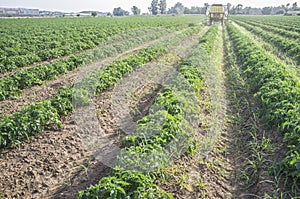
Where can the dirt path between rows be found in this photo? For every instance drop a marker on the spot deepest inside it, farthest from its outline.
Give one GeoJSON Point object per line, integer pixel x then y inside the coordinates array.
{"type": "Point", "coordinates": [208, 173]}
{"type": "Point", "coordinates": [59, 163]}
{"type": "Point", "coordinates": [238, 150]}
{"type": "Point", "coordinates": [255, 147]}
{"type": "Point", "coordinates": [275, 53]}
{"type": "Point", "coordinates": [129, 101]}
{"type": "Point", "coordinates": [111, 41]}
{"type": "Point", "coordinates": [46, 91]}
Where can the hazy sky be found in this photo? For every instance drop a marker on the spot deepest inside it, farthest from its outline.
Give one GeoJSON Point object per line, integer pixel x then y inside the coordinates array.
{"type": "Point", "coordinates": [102, 5]}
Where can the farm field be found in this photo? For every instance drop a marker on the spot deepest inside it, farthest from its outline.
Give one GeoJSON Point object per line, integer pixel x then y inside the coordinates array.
{"type": "Point", "coordinates": [150, 107]}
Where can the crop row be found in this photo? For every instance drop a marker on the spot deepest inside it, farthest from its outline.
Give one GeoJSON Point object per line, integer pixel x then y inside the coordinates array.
{"type": "Point", "coordinates": [285, 23]}
{"type": "Point", "coordinates": [276, 91]}
{"type": "Point", "coordinates": [12, 85]}
{"type": "Point", "coordinates": [290, 47]}
{"type": "Point", "coordinates": [272, 29]}
{"type": "Point", "coordinates": [35, 117]}
{"type": "Point", "coordinates": [162, 135]}
{"type": "Point", "coordinates": [26, 41]}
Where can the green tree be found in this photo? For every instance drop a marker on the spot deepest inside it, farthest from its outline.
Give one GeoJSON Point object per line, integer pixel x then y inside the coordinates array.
{"type": "Point", "coordinates": [287, 7]}
{"type": "Point", "coordinates": [295, 6]}
{"type": "Point", "coordinates": [177, 9]}
{"type": "Point", "coordinates": [280, 12]}
{"type": "Point", "coordinates": [206, 7]}
{"type": "Point", "coordinates": [94, 14]}
{"type": "Point", "coordinates": [163, 6]}
{"type": "Point", "coordinates": [154, 7]}
{"type": "Point", "coordinates": [135, 10]}
{"type": "Point", "coordinates": [239, 8]}
{"type": "Point", "coordinates": [266, 10]}
{"type": "Point", "coordinates": [187, 10]}
{"type": "Point", "coordinates": [120, 12]}
{"type": "Point", "coordinates": [194, 10]}
{"type": "Point", "coordinates": [228, 7]}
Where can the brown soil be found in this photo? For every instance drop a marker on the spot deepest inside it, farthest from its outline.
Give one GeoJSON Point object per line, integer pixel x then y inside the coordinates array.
{"type": "Point", "coordinates": [59, 163]}
{"type": "Point", "coordinates": [44, 92]}
{"type": "Point", "coordinates": [107, 142]}
{"type": "Point", "coordinates": [146, 94]}
{"type": "Point", "coordinates": [111, 42]}
{"type": "Point", "coordinates": [36, 94]}
{"type": "Point", "coordinates": [224, 171]}
{"type": "Point", "coordinates": [102, 136]}
{"type": "Point", "coordinates": [254, 142]}
{"type": "Point", "coordinates": [38, 164]}
{"type": "Point", "coordinates": [98, 132]}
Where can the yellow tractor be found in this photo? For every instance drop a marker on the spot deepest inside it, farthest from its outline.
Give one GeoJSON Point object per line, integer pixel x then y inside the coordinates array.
{"type": "Point", "coordinates": [216, 13]}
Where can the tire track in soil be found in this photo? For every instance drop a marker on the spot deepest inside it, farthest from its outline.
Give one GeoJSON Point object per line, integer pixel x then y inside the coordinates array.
{"type": "Point", "coordinates": [217, 166]}
{"type": "Point", "coordinates": [222, 173]}
{"type": "Point", "coordinates": [108, 113]}
{"type": "Point", "coordinates": [254, 147]}
{"type": "Point", "coordinates": [53, 160]}
{"type": "Point", "coordinates": [47, 90]}
{"type": "Point", "coordinates": [208, 173]}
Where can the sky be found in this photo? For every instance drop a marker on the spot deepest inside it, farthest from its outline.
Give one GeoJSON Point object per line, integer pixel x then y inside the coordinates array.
{"type": "Point", "coordinates": [108, 6]}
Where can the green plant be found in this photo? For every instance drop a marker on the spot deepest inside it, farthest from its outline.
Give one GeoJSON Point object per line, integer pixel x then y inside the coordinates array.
{"type": "Point", "coordinates": [277, 93]}
{"type": "Point", "coordinates": [163, 132]}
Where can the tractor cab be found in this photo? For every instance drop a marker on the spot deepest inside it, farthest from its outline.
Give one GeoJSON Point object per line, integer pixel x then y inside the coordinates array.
{"type": "Point", "coordinates": [216, 13]}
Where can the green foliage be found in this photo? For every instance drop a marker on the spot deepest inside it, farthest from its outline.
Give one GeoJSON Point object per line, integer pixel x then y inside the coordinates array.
{"type": "Point", "coordinates": [62, 102]}
{"type": "Point", "coordinates": [163, 6]}
{"type": "Point", "coordinates": [12, 85]}
{"type": "Point", "coordinates": [271, 28]}
{"type": "Point", "coordinates": [135, 10]}
{"type": "Point", "coordinates": [154, 7]}
{"type": "Point", "coordinates": [178, 9]}
{"type": "Point", "coordinates": [277, 91]}
{"type": "Point", "coordinates": [120, 12]}
{"type": "Point", "coordinates": [27, 41]}
{"type": "Point", "coordinates": [284, 23]}
{"type": "Point", "coordinates": [29, 121]}
{"type": "Point", "coordinates": [163, 132]}
{"type": "Point", "coordinates": [207, 41]}
{"type": "Point", "coordinates": [35, 117]}
{"type": "Point", "coordinates": [13, 129]}
{"type": "Point", "coordinates": [125, 184]}
{"type": "Point", "coordinates": [284, 44]}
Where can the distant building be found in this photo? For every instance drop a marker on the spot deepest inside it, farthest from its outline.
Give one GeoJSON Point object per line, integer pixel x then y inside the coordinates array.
{"type": "Point", "coordinates": [89, 13]}
{"type": "Point", "coordinates": [19, 12]}
{"type": "Point", "coordinates": [36, 12]}
{"type": "Point", "coordinates": [29, 11]}
{"type": "Point", "coordinates": [292, 13]}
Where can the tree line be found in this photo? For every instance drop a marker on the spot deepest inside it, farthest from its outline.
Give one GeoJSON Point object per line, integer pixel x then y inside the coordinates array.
{"type": "Point", "coordinates": [269, 10]}
{"type": "Point", "coordinates": [160, 7]}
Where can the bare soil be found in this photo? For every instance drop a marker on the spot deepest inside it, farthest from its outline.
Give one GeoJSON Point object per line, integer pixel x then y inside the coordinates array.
{"type": "Point", "coordinates": [57, 163]}
{"type": "Point", "coordinates": [113, 40]}
{"type": "Point", "coordinates": [231, 168]}
{"type": "Point", "coordinates": [38, 164]}
{"type": "Point", "coordinates": [47, 90]}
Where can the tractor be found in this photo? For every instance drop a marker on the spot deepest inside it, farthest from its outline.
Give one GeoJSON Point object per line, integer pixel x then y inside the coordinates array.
{"type": "Point", "coordinates": [216, 13]}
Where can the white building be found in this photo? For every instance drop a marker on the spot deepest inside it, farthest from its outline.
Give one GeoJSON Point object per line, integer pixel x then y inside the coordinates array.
{"type": "Point", "coordinates": [19, 11]}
